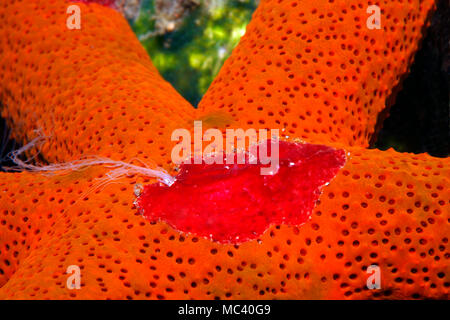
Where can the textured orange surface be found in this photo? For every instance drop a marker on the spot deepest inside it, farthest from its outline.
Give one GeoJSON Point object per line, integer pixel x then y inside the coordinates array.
{"type": "Point", "coordinates": [92, 91]}
{"type": "Point", "coordinates": [382, 208]}
{"type": "Point", "coordinates": [374, 212]}
{"type": "Point", "coordinates": [314, 69]}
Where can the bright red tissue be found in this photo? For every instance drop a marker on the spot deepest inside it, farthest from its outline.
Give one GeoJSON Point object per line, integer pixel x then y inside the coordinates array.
{"type": "Point", "coordinates": [235, 203]}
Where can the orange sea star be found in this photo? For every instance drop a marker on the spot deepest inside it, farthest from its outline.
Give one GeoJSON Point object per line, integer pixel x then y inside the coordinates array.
{"type": "Point", "coordinates": [310, 68]}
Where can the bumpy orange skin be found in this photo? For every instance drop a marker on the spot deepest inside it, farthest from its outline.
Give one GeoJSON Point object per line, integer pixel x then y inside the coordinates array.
{"type": "Point", "coordinates": [314, 69]}
{"type": "Point", "coordinates": [382, 208]}
{"type": "Point", "coordinates": [92, 91]}
{"type": "Point", "coordinates": [386, 208]}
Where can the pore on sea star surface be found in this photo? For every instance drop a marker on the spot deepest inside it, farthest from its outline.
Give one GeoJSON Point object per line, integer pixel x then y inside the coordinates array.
{"type": "Point", "coordinates": [309, 68]}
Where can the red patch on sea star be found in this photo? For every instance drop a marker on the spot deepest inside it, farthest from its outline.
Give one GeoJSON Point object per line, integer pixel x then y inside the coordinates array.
{"type": "Point", "coordinates": [235, 203]}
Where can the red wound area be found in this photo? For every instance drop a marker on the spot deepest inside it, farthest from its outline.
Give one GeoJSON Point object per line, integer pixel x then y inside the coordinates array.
{"type": "Point", "coordinates": [235, 203]}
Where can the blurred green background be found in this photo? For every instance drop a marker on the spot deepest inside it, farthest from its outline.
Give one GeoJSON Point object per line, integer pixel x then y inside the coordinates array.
{"type": "Point", "coordinates": [188, 40]}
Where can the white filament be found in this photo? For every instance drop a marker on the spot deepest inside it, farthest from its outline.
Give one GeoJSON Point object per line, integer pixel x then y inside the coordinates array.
{"type": "Point", "coordinates": [119, 168]}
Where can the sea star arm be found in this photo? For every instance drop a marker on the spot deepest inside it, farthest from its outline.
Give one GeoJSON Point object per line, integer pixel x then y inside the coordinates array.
{"type": "Point", "coordinates": [316, 69]}
{"type": "Point", "coordinates": [92, 91]}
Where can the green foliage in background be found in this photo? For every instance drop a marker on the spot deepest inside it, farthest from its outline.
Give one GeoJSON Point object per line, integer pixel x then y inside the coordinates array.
{"type": "Point", "coordinates": [191, 56]}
